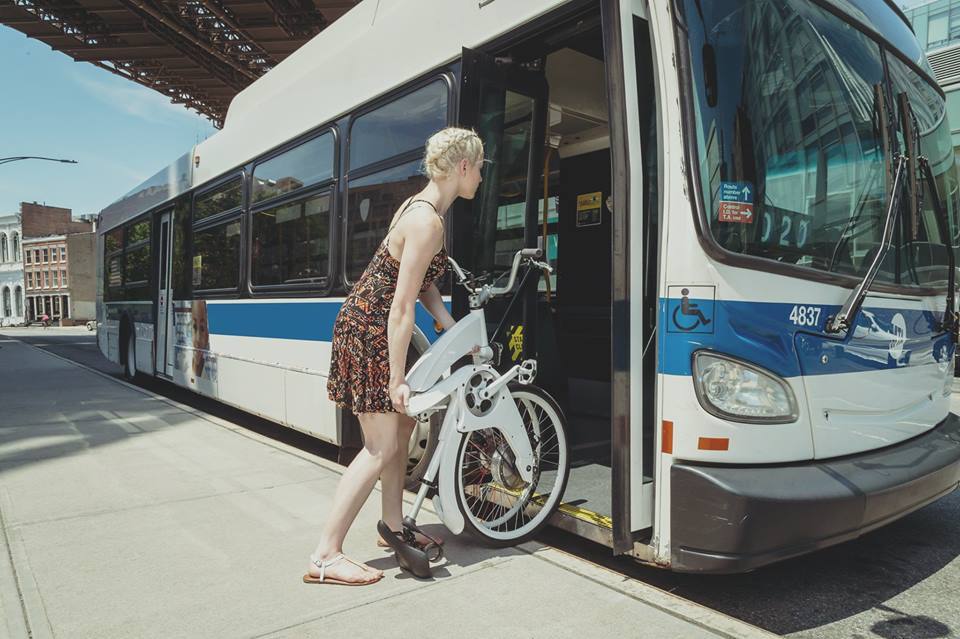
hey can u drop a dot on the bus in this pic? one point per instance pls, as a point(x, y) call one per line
point(751, 210)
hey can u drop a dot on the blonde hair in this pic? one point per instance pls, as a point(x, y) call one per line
point(447, 147)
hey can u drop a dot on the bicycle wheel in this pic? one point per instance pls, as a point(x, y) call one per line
point(498, 506)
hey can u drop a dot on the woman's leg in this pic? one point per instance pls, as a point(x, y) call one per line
point(394, 474)
point(379, 447)
point(393, 478)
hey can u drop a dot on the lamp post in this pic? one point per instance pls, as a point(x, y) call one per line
point(34, 157)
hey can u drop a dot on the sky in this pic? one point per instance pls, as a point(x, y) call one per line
point(119, 132)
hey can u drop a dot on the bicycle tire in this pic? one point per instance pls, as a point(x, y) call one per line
point(505, 537)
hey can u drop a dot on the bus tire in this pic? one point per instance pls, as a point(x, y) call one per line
point(128, 351)
point(423, 443)
point(423, 440)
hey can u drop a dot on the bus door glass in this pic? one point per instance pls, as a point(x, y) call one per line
point(164, 315)
point(506, 105)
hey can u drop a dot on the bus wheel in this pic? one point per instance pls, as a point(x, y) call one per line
point(422, 443)
point(130, 361)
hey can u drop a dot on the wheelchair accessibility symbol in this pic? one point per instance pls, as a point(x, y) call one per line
point(691, 309)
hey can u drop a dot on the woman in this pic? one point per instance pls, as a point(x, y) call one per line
point(370, 341)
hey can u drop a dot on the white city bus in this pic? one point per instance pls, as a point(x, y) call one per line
point(747, 325)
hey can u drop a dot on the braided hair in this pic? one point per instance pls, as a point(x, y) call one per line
point(447, 147)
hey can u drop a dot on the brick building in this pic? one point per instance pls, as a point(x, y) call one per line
point(39, 220)
point(59, 264)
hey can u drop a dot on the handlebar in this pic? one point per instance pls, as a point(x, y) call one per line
point(480, 295)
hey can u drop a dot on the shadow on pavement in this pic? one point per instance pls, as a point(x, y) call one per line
point(90, 413)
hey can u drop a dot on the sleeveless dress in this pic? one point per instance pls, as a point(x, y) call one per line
point(359, 361)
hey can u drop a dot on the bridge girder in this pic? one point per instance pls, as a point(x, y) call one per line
point(199, 53)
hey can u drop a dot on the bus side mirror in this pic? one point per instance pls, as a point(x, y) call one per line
point(710, 75)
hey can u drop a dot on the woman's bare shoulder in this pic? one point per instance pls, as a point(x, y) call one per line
point(421, 218)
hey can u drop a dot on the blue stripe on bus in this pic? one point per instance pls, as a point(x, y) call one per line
point(758, 332)
point(764, 334)
point(307, 320)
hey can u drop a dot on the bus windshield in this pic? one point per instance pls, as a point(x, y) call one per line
point(797, 127)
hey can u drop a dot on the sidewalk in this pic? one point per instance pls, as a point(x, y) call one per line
point(126, 515)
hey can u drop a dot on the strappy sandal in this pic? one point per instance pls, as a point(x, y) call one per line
point(323, 579)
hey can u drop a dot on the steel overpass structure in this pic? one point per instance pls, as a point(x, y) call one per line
point(199, 53)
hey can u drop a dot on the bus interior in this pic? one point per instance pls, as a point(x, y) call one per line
point(570, 332)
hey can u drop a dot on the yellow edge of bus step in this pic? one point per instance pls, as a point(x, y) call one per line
point(568, 509)
point(587, 515)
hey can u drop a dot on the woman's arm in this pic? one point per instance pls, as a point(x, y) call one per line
point(421, 236)
point(433, 302)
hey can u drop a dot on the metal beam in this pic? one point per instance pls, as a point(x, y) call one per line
point(145, 8)
point(199, 53)
point(298, 17)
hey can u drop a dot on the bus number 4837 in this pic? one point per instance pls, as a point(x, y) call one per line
point(805, 315)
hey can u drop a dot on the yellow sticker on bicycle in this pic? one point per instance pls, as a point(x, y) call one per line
point(516, 343)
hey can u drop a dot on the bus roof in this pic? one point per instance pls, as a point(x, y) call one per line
point(375, 47)
point(166, 184)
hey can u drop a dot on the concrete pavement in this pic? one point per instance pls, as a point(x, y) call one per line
point(125, 514)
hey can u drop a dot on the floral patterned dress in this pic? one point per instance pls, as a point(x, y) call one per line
point(359, 362)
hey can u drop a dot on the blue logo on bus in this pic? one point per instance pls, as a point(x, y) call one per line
point(692, 310)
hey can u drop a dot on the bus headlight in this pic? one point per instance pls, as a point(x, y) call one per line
point(741, 392)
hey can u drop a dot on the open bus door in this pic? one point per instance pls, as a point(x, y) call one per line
point(576, 85)
point(628, 63)
point(507, 103)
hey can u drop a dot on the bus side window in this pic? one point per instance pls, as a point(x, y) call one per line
point(216, 257)
point(385, 154)
point(371, 203)
point(398, 127)
point(290, 228)
point(291, 242)
point(112, 265)
point(217, 232)
point(136, 270)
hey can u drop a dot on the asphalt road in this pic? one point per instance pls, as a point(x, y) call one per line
point(899, 582)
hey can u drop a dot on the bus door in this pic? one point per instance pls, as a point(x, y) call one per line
point(635, 268)
point(542, 112)
point(506, 105)
point(164, 319)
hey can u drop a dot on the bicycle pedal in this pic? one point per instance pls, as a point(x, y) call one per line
point(409, 556)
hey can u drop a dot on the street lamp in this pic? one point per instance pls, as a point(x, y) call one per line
point(34, 157)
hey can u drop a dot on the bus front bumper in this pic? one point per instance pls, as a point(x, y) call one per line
point(728, 519)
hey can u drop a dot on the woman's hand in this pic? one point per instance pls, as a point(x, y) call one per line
point(400, 396)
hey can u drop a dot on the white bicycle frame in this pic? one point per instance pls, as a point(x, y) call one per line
point(430, 391)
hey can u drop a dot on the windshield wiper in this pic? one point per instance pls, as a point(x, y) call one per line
point(914, 140)
point(848, 313)
point(950, 319)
